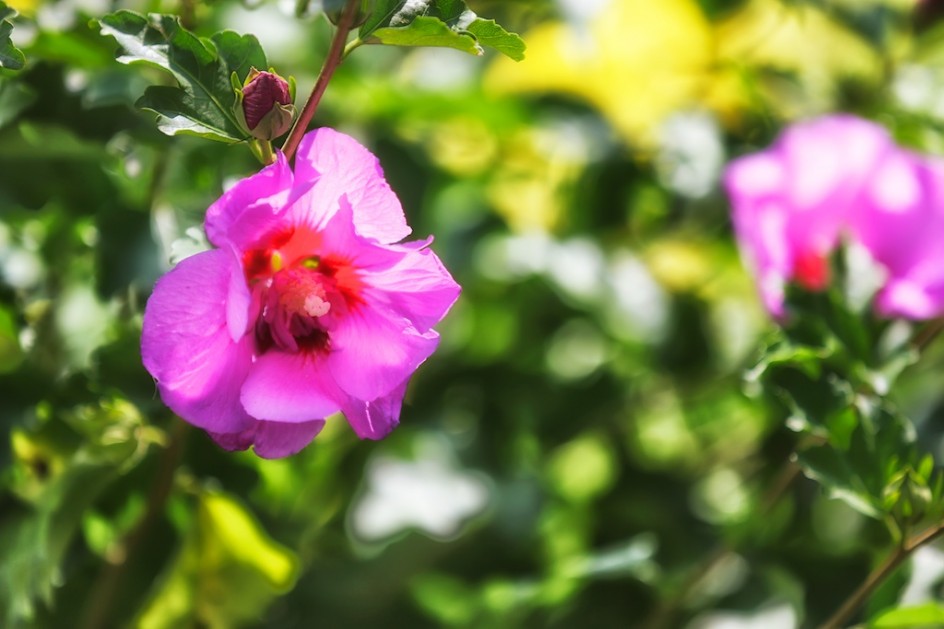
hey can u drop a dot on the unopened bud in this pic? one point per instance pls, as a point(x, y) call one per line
point(264, 105)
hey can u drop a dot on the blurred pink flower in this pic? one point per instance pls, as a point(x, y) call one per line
point(306, 308)
point(841, 177)
point(900, 221)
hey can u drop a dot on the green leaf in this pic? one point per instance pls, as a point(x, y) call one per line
point(11, 57)
point(438, 23)
point(427, 31)
point(383, 11)
point(861, 467)
point(490, 33)
point(202, 104)
point(226, 573)
point(445, 598)
point(10, 352)
point(927, 615)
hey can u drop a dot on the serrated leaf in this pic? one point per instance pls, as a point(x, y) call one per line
point(438, 23)
point(202, 104)
point(490, 33)
point(11, 57)
point(427, 31)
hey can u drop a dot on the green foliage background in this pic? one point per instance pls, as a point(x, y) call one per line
point(589, 390)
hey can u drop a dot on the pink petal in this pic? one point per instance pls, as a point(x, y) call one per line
point(418, 288)
point(902, 213)
point(793, 201)
point(375, 419)
point(245, 213)
point(271, 440)
point(909, 300)
point(373, 351)
point(275, 440)
point(294, 388)
point(235, 440)
point(340, 240)
point(187, 345)
point(344, 166)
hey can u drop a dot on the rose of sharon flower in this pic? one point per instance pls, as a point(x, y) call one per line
point(841, 177)
point(900, 221)
point(308, 305)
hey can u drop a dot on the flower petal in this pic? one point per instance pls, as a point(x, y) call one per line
point(245, 212)
point(344, 166)
point(294, 388)
point(187, 346)
point(792, 202)
point(373, 351)
point(901, 213)
point(375, 419)
point(275, 440)
point(271, 440)
point(910, 299)
point(418, 288)
point(341, 240)
point(235, 440)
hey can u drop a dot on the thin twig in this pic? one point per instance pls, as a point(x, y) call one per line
point(333, 60)
point(878, 576)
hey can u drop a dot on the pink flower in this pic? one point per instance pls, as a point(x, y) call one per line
point(306, 308)
point(900, 220)
point(840, 177)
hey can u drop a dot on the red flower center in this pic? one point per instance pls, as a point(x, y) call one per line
point(811, 270)
point(297, 293)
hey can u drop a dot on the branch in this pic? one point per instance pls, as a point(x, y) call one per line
point(878, 576)
point(335, 56)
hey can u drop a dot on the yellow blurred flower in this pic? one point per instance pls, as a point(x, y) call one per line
point(800, 40)
point(24, 7)
point(638, 61)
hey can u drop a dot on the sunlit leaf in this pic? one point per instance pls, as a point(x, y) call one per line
point(438, 23)
point(927, 615)
point(582, 469)
point(491, 34)
point(10, 352)
point(427, 31)
point(226, 574)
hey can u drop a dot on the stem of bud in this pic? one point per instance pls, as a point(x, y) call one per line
point(262, 150)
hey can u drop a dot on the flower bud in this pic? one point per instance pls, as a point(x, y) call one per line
point(264, 105)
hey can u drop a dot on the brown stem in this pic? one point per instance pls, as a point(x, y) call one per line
point(927, 334)
point(106, 588)
point(335, 56)
point(878, 576)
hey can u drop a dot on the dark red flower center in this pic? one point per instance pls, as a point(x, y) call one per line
point(811, 270)
point(298, 295)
